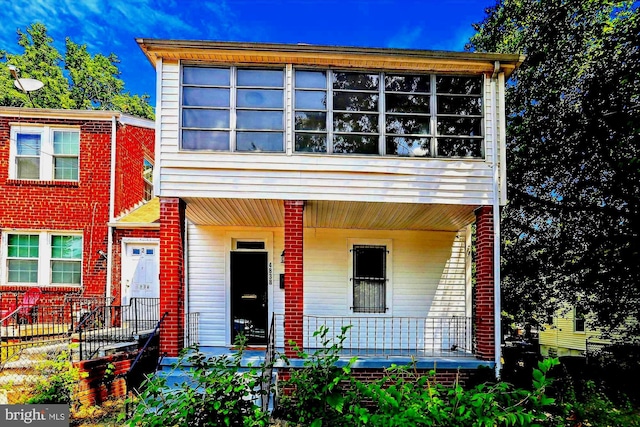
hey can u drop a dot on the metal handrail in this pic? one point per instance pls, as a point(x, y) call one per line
point(127, 374)
point(267, 372)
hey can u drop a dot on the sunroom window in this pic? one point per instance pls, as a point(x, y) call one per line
point(232, 109)
point(388, 114)
point(333, 112)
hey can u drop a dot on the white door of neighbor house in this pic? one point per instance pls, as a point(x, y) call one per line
point(140, 281)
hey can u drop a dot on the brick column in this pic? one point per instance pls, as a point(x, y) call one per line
point(172, 284)
point(483, 304)
point(293, 280)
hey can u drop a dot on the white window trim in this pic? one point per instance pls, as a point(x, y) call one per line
point(46, 150)
point(351, 242)
point(44, 258)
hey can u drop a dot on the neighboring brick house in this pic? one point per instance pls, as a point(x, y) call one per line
point(65, 175)
point(303, 186)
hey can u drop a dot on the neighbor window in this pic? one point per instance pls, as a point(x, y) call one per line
point(43, 258)
point(147, 177)
point(232, 109)
point(369, 279)
point(578, 319)
point(44, 153)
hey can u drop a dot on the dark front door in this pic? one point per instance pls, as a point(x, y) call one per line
point(249, 303)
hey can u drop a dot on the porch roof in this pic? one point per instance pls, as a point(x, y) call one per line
point(331, 214)
point(146, 215)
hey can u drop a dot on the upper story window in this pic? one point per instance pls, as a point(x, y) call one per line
point(44, 153)
point(42, 258)
point(232, 109)
point(388, 114)
point(334, 112)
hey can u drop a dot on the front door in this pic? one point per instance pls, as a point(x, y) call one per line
point(249, 304)
point(140, 282)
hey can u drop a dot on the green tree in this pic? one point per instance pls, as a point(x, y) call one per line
point(76, 80)
point(572, 226)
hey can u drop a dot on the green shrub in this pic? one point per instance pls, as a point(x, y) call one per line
point(315, 394)
point(58, 383)
point(218, 392)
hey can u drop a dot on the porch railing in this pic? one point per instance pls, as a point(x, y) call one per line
point(192, 333)
point(112, 324)
point(395, 336)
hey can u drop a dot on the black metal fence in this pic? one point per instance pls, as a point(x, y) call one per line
point(112, 328)
point(449, 336)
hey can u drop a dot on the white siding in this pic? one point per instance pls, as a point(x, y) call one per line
point(427, 278)
point(313, 176)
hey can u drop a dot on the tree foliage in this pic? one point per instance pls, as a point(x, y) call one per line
point(76, 80)
point(571, 228)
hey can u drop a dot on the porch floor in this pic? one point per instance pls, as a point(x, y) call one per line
point(380, 359)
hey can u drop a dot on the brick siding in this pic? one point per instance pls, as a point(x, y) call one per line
point(172, 283)
point(483, 304)
point(293, 276)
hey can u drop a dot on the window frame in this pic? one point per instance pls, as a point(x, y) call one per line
point(455, 142)
point(45, 258)
point(433, 116)
point(388, 243)
point(47, 155)
point(579, 321)
point(233, 107)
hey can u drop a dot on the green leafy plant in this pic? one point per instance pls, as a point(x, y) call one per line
point(218, 391)
point(58, 383)
point(315, 394)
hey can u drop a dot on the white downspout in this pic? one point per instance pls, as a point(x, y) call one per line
point(112, 196)
point(496, 222)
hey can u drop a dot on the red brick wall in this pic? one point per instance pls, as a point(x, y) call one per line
point(293, 277)
point(118, 235)
point(483, 304)
point(75, 206)
point(172, 283)
point(49, 205)
point(133, 145)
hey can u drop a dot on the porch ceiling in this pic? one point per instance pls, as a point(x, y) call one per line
point(331, 214)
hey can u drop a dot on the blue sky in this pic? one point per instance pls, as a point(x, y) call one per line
point(107, 26)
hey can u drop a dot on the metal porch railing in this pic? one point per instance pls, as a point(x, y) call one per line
point(109, 325)
point(381, 336)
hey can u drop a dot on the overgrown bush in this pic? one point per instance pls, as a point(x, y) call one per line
point(218, 392)
point(323, 394)
point(315, 394)
point(58, 383)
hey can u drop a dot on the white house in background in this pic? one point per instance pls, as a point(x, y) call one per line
point(310, 185)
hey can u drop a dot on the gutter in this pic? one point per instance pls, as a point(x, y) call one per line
point(496, 223)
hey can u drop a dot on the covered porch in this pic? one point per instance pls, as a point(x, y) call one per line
point(429, 310)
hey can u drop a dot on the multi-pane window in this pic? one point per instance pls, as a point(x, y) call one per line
point(44, 153)
point(232, 109)
point(408, 115)
point(66, 148)
point(43, 258)
point(459, 115)
point(310, 104)
point(66, 260)
point(22, 258)
point(369, 279)
point(334, 111)
point(388, 114)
